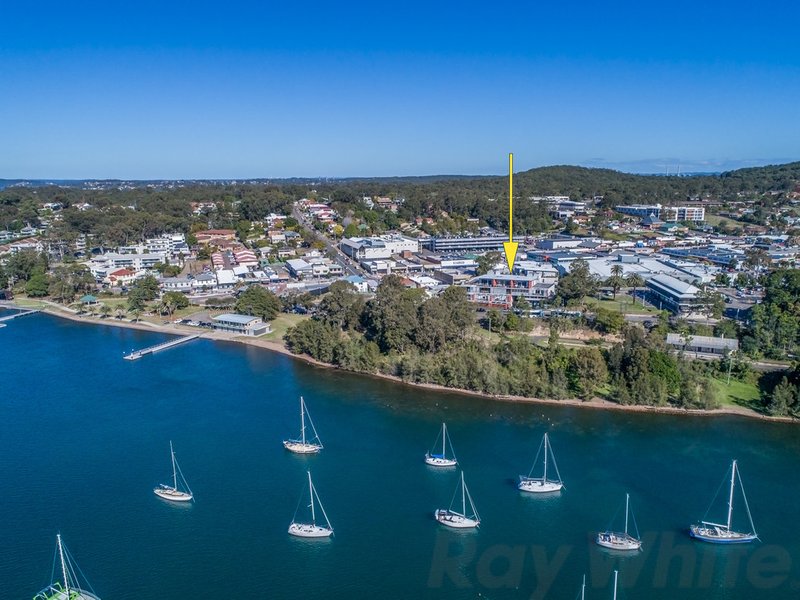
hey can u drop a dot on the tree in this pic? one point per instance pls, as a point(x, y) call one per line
point(341, 306)
point(487, 262)
point(3, 278)
point(259, 302)
point(587, 371)
point(782, 398)
point(635, 281)
point(390, 318)
point(351, 230)
point(38, 284)
point(176, 299)
point(105, 310)
point(713, 303)
point(578, 283)
point(521, 304)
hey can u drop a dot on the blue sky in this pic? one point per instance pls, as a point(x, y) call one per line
point(245, 89)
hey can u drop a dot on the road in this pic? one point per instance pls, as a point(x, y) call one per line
point(348, 266)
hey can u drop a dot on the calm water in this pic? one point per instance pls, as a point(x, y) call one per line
point(84, 437)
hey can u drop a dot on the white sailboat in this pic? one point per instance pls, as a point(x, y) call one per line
point(621, 540)
point(304, 445)
point(173, 492)
point(311, 530)
point(460, 520)
point(68, 588)
point(717, 533)
point(542, 484)
point(435, 459)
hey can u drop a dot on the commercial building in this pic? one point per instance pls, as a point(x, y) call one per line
point(499, 290)
point(452, 245)
point(665, 213)
point(674, 295)
point(241, 324)
point(377, 248)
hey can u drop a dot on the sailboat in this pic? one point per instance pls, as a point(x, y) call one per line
point(172, 492)
point(463, 519)
point(441, 460)
point(304, 445)
point(542, 484)
point(68, 588)
point(717, 533)
point(616, 540)
point(311, 530)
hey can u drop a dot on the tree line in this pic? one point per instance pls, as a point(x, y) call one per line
point(400, 332)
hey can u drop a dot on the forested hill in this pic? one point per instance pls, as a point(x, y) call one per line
point(579, 182)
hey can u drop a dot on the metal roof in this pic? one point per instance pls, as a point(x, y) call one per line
point(234, 318)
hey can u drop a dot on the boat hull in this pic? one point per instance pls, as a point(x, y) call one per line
point(455, 520)
point(717, 535)
point(618, 541)
point(173, 495)
point(539, 486)
point(301, 448)
point(308, 530)
point(435, 461)
point(56, 592)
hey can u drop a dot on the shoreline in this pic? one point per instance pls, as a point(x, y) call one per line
point(275, 346)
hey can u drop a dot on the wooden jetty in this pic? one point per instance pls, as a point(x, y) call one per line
point(137, 354)
point(19, 313)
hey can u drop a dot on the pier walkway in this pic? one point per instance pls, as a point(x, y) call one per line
point(137, 354)
point(19, 313)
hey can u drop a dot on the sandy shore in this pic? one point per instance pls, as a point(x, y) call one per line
point(276, 346)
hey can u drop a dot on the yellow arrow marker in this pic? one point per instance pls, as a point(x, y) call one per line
point(510, 246)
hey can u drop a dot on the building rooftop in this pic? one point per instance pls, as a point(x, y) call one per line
point(234, 318)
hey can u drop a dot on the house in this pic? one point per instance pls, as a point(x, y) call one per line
point(210, 235)
point(703, 344)
point(120, 277)
point(241, 324)
point(276, 237)
point(176, 284)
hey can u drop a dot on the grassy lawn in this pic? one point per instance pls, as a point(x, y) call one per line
point(281, 323)
point(621, 304)
point(738, 393)
point(717, 221)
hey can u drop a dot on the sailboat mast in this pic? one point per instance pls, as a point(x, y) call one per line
point(63, 565)
point(311, 495)
point(303, 422)
point(444, 437)
point(174, 470)
point(463, 496)
point(545, 459)
point(627, 500)
point(583, 588)
point(615, 584)
point(730, 497)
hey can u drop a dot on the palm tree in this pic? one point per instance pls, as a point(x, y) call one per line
point(105, 310)
point(634, 280)
point(615, 281)
point(119, 313)
point(135, 313)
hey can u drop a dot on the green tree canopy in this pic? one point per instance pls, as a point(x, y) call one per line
point(258, 302)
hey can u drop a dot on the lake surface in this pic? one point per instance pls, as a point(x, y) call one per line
point(84, 437)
